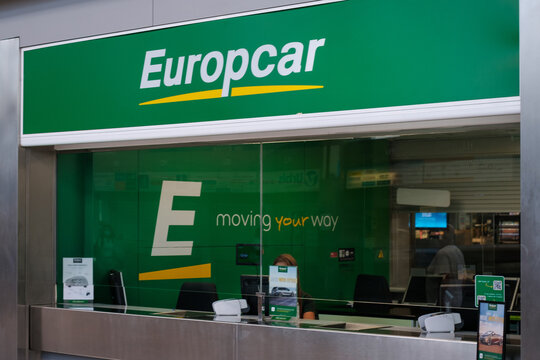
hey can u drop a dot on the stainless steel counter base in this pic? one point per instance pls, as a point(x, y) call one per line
point(279, 343)
point(129, 336)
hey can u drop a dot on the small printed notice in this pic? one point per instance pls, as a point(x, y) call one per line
point(283, 292)
point(488, 288)
point(346, 254)
point(78, 279)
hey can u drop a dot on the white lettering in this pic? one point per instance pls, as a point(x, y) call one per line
point(295, 58)
point(316, 221)
point(230, 74)
point(313, 45)
point(334, 222)
point(177, 80)
point(148, 68)
point(223, 217)
point(219, 66)
point(255, 61)
point(327, 221)
point(192, 59)
point(267, 221)
point(167, 217)
point(246, 220)
point(264, 61)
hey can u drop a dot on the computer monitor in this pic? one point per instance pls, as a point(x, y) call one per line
point(423, 290)
point(249, 286)
point(517, 301)
point(511, 289)
point(457, 294)
point(430, 220)
point(247, 254)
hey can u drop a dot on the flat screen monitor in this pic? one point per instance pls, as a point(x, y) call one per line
point(491, 331)
point(511, 286)
point(249, 286)
point(457, 295)
point(517, 301)
point(466, 294)
point(423, 290)
point(247, 254)
point(430, 220)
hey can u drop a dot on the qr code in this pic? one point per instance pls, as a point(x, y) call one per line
point(497, 285)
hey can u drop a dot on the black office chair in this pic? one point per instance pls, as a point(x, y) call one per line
point(372, 288)
point(118, 290)
point(197, 296)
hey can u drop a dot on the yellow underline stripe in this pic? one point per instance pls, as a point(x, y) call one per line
point(187, 272)
point(255, 90)
point(237, 91)
point(200, 95)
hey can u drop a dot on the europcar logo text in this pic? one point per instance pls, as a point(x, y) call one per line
point(225, 69)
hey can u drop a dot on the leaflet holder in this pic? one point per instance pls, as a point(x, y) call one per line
point(439, 322)
point(230, 307)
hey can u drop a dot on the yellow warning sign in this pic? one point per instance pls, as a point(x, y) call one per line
point(381, 254)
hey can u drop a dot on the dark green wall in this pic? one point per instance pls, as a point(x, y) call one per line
point(108, 202)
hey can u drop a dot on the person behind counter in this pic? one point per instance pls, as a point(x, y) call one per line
point(449, 262)
point(306, 304)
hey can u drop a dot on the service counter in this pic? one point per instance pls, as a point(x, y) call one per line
point(113, 332)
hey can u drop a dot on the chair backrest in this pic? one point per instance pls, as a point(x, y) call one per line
point(118, 290)
point(197, 296)
point(372, 288)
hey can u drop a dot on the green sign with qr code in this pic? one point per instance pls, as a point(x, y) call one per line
point(488, 288)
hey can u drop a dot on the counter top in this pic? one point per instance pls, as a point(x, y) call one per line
point(378, 329)
point(118, 332)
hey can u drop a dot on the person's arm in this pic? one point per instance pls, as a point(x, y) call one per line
point(310, 315)
point(308, 307)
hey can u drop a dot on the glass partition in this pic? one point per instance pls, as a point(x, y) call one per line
point(162, 217)
point(330, 207)
point(390, 226)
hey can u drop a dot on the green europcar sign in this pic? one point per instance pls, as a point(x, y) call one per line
point(349, 55)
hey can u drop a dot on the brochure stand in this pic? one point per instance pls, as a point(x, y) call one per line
point(283, 292)
point(491, 331)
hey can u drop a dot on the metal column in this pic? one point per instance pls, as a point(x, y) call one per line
point(530, 176)
point(9, 142)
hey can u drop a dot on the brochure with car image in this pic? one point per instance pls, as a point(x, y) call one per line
point(77, 276)
point(491, 331)
point(283, 292)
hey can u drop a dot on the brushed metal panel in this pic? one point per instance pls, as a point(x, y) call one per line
point(529, 24)
point(40, 239)
point(9, 127)
point(122, 336)
point(52, 356)
point(170, 11)
point(262, 343)
point(38, 22)
point(21, 258)
point(23, 334)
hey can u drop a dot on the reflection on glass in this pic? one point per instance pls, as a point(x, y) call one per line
point(330, 204)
